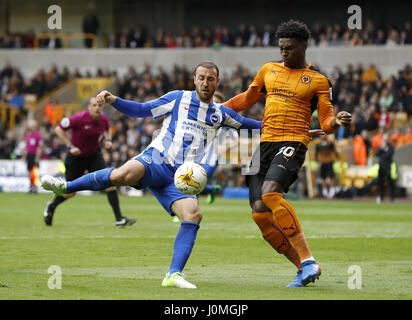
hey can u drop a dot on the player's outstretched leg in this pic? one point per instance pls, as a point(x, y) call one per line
point(96, 181)
point(128, 174)
point(188, 211)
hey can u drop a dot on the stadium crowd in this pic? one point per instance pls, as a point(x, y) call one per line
point(222, 36)
point(374, 101)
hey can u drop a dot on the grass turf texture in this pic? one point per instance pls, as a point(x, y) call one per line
point(229, 261)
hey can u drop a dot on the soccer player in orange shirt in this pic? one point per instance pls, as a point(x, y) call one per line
point(293, 90)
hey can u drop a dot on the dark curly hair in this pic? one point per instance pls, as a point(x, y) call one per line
point(293, 29)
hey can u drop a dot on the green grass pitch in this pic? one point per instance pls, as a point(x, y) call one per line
point(230, 260)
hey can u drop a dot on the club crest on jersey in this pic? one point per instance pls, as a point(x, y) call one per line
point(305, 79)
point(215, 118)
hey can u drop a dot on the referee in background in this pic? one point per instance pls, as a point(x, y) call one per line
point(87, 130)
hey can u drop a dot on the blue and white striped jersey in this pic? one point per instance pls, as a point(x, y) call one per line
point(189, 125)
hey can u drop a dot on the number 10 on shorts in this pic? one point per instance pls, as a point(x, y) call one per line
point(287, 151)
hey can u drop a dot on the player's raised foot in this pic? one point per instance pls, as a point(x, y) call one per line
point(176, 280)
point(125, 222)
point(211, 196)
point(48, 214)
point(297, 282)
point(57, 185)
point(310, 271)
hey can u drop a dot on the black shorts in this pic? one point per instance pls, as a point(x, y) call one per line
point(76, 166)
point(31, 161)
point(279, 162)
point(326, 170)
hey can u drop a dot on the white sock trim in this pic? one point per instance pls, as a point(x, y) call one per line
point(308, 259)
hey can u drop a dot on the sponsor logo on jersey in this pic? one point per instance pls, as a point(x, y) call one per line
point(147, 159)
point(65, 123)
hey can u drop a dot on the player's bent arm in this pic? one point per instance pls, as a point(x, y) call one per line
point(328, 122)
point(245, 100)
point(63, 136)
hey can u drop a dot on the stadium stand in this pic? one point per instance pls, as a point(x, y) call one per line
point(323, 35)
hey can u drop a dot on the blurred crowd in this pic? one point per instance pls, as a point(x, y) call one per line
point(374, 101)
point(252, 35)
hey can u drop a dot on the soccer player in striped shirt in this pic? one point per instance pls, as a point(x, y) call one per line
point(191, 120)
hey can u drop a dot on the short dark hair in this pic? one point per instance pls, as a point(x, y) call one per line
point(293, 29)
point(208, 65)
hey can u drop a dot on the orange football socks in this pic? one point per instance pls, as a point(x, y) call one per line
point(286, 217)
point(272, 233)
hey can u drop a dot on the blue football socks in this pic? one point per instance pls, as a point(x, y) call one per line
point(98, 180)
point(183, 245)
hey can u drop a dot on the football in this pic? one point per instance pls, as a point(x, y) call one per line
point(190, 178)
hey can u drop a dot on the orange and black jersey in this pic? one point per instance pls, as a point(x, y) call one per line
point(291, 97)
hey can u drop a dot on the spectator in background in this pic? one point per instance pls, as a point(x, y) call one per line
point(53, 112)
point(396, 138)
point(380, 38)
point(384, 120)
point(407, 137)
point(253, 36)
point(376, 141)
point(393, 38)
point(54, 42)
point(112, 42)
point(17, 99)
point(242, 35)
point(385, 154)
point(408, 30)
point(360, 153)
point(386, 99)
point(226, 37)
point(90, 24)
point(335, 40)
point(18, 42)
point(370, 74)
point(268, 36)
point(138, 38)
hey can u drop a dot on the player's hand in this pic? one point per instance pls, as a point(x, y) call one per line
point(317, 132)
point(105, 97)
point(343, 118)
point(74, 151)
